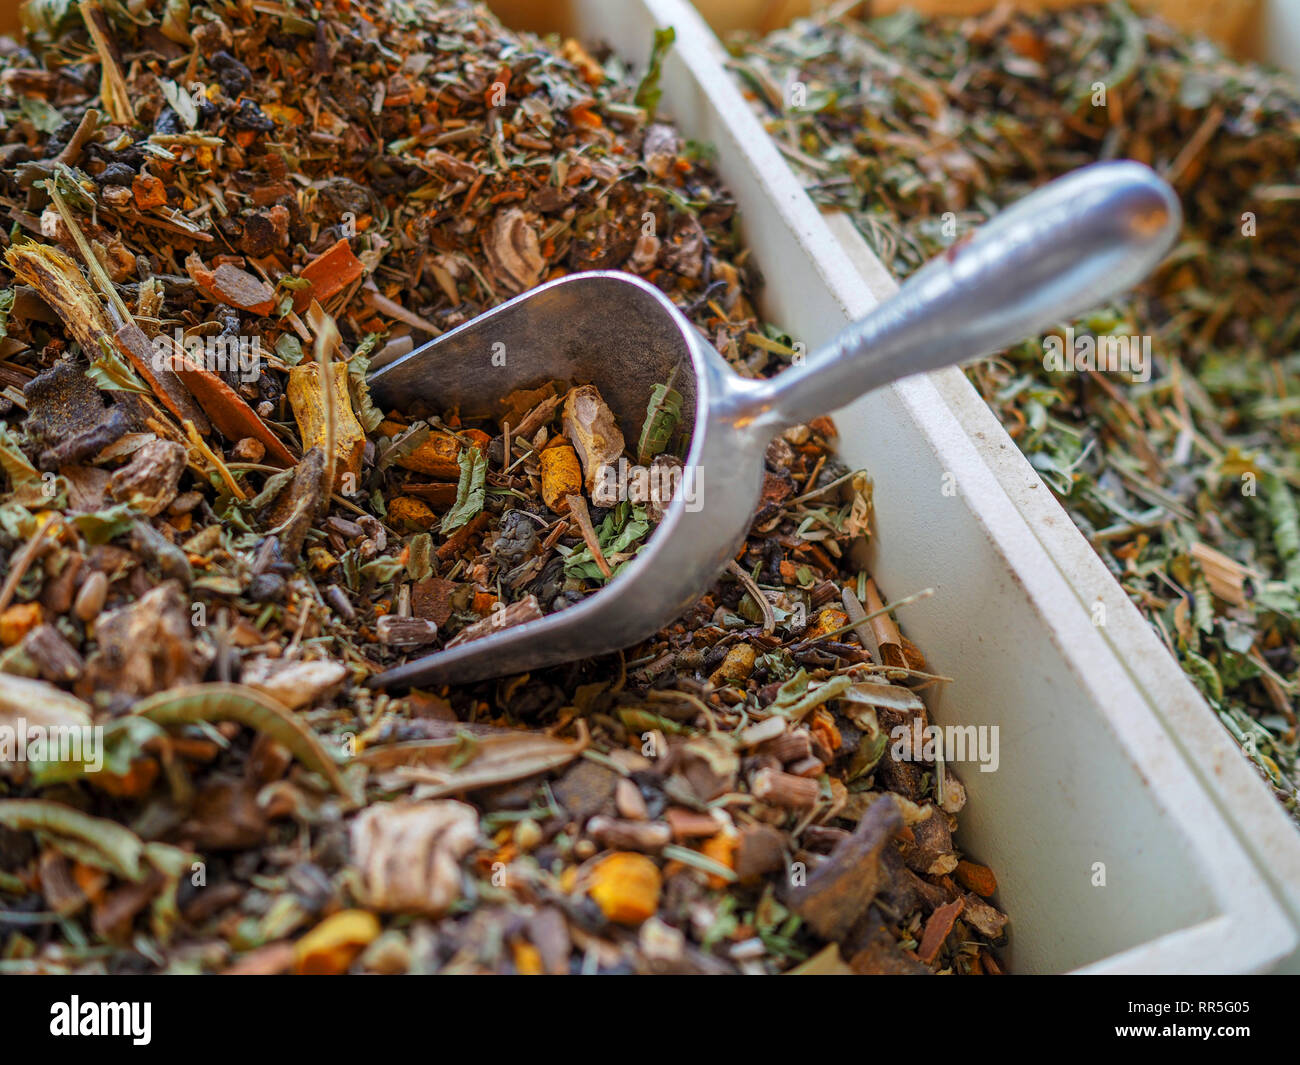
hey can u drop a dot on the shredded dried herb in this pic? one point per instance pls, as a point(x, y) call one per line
point(921, 128)
point(242, 207)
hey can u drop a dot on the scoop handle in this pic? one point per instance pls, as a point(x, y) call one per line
point(1066, 247)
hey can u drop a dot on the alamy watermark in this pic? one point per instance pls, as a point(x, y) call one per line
point(75, 744)
point(1110, 354)
point(946, 743)
point(77, 1018)
point(660, 483)
point(223, 353)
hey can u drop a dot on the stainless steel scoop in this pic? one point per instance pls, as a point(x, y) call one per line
point(1067, 247)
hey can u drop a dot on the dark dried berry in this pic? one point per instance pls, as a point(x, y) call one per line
point(206, 109)
point(250, 117)
point(168, 121)
point(259, 237)
point(116, 174)
point(231, 73)
point(266, 587)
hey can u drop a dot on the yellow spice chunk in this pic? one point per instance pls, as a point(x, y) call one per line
point(410, 513)
point(18, 620)
point(333, 945)
point(305, 397)
point(437, 455)
point(736, 667)
point(828, 621)
point(561, 476)
point(626, 887)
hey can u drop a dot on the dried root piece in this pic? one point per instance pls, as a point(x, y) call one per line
point(67, 412)
point(409, 854)
point(518, 612)
point(577, 508)
point(293, 683)
point(61, 284)
point(228, 412)
point(39, 703)
point(150, 480)
point(513, 250)
point(591, 426)
point(299, 504)
point(305, 397)
point(329, 273)
point(398, 631)
point(147, 646)
point(232, 286)
point(839, 891)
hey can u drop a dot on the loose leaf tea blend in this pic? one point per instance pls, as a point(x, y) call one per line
point(220, 214)
point(1181, 468)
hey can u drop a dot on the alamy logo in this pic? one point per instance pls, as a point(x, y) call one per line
point(661, 482)
point(949, 743)
point(224, 353)
point(1109, 354)
point(74, 744)
point(79, 1018)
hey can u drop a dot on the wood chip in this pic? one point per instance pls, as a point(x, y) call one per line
point(937, 929)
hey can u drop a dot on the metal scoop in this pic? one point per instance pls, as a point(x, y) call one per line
point(1067, 247)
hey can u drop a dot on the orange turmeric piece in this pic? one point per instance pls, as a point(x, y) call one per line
point(148, 191)
point(435, 456)
point(561, 477)
point(626, 887)
point(18, 620)
point(332, 946)
point(976, 878)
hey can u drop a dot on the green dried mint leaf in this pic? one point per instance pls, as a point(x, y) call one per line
point(101, 526)
point(111, 374)
point(367, 413)
point(623, 528)
point(95, 840)
point(288, 349)
point(470, 491)
point(14, 462)
point(195, 703)
point(648, 93)
point(797, 698)
point(41, 115)
point(663, 415)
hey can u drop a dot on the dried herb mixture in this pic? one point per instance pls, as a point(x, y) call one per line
point(1185, 483)
point(220, 213)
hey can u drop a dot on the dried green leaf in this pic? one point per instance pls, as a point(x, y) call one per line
point(449, 766)
point(234, 702)
point(663, 415)
point(95, 840)
point(648, 92)
point(470, 491)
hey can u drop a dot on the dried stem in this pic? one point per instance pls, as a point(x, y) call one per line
point(327, 338)
point(756, 593)
point(582, 518)
point(112, 86)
